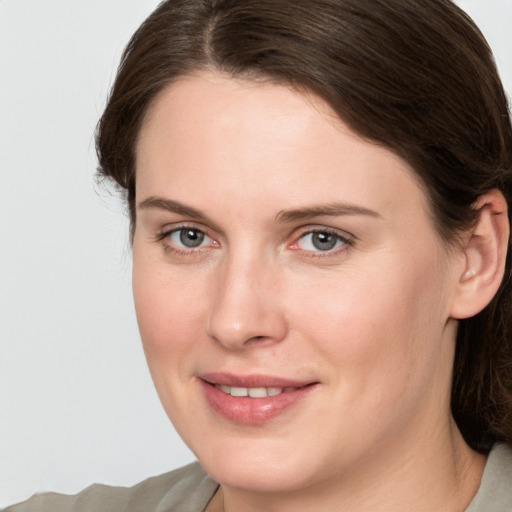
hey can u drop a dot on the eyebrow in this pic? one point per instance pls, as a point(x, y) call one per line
point(284, 216)
point(329, 210)
point(161, 203)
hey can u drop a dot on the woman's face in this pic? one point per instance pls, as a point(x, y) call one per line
point(279, 255)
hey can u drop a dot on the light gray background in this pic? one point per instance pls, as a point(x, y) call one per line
point(76, 401)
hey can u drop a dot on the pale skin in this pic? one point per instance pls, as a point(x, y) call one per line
point(253, 169)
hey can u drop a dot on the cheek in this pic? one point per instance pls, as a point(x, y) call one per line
point(168, 310)
point(383, 362)
point(380, 325)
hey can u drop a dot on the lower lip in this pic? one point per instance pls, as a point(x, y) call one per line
point(252, 411)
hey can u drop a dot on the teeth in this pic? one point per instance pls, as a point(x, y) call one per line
point(239, 391)
point(252, 392)
point(258, 392)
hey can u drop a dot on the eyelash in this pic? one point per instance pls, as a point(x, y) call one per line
point(347, 241)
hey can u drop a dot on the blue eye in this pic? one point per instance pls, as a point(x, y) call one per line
point(321, 241)
point(191, 238)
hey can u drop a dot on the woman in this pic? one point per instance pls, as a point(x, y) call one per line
point(319, 193)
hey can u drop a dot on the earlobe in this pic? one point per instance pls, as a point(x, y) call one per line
point(485, 250)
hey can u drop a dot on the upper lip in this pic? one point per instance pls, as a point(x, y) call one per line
point(252, 381)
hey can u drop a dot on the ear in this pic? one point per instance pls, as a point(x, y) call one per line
point(484, 254)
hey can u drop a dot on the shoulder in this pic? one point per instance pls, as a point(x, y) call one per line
point(495, 492)
point(186, 489)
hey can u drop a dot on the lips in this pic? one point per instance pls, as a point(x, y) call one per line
point(254, 399)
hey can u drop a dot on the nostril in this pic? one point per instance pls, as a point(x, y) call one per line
point(259, 340)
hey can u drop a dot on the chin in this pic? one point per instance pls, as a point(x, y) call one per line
point(264, 477)
point(256, 465)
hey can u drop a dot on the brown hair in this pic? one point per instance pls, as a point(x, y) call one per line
point(417, 77)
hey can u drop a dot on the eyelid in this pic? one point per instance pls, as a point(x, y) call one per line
point(171, 227)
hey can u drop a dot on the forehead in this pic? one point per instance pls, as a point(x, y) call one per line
point(208, 135)
point(230, 108)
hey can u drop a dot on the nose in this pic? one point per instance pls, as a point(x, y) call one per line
point(246, 308)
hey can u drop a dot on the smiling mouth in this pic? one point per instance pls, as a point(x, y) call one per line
point(253, 400)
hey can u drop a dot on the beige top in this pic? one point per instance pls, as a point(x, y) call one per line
point(189, 489)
